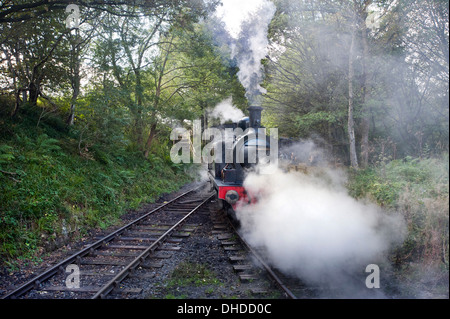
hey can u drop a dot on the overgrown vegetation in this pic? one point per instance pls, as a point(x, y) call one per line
point(418, 189)
point(50, 192)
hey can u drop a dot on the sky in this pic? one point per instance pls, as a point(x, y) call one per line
point(233, 12)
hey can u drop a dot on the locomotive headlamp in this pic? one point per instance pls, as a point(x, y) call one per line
point(232, 197)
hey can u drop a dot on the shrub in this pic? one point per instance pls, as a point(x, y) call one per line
point(419, 190)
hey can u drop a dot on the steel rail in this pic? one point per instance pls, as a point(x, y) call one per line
point(113, 283)
point(266, 267)
point(36, 281)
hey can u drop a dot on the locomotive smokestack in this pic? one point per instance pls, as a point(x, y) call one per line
point(255, 116)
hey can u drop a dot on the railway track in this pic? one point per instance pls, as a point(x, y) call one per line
point(246, 260)
point(124, 263)
point(106, 264)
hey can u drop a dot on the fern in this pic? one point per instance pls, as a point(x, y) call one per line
point(46, 145)
point(6, 154)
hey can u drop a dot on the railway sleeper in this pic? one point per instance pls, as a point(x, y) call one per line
point(139, 235)
point(246, 277)
point(82, 289)
point(245, 267)
point(237, 258)
point(146, 229)
point(232, 248)
point(229, 243)
point(223, 236)
point(151, 264)
point(147, 240)
point(162, 255)
point(104, 262)
point(109, 253)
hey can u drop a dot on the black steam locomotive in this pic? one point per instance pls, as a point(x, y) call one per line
point(241, 153)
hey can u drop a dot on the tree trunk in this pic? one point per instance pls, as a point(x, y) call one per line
point(150, 139)
point(139, 129)
point(34, 93)
point(73, 102)
point(75, 78)
point(366, 90)
point(16, 104)
point(351, 122)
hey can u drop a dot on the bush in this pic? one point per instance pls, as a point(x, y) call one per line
point(419, 190)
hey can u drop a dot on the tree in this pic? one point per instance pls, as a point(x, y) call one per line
point(30, 54)
point(310, 74)
point(161, 66)
point(412, 37)
point(381, 64)
point(20, 11)
point(351, 120)
point(189, 76)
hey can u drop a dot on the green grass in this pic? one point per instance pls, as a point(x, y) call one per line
point(51, 193)
point(192, 274)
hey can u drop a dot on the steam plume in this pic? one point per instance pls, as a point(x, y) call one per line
point(225, 111)
point(311, 228)
point(250, 46)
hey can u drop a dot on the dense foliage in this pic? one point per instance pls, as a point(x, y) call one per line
point(51, 193)
point(379, 69)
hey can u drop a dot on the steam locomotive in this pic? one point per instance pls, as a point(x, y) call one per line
point(241, 153)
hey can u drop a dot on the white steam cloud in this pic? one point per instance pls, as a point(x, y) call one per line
point(251, 48)
point(226, 111)
point(310, 227)
point(247, 24)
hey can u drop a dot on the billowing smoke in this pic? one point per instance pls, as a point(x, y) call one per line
point(250, 45)
point(226, 111)
point(251, 48)
point(310, 227)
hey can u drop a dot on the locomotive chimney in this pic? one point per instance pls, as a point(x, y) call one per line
point(255, 116)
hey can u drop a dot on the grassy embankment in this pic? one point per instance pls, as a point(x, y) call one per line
point(418, 189)
point(51, 192)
